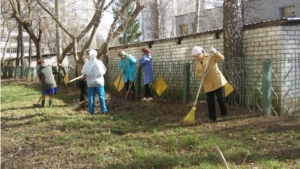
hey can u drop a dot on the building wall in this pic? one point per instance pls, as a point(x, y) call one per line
point(268, 9)
point(254, 11)
point(258, 43)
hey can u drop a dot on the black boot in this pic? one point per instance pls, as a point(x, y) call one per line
point(50, 103)
point(43, 103)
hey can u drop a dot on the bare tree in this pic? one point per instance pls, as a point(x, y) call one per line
point(115, 30)
point(7, 26)
point(156, 20)
point(32, 15)
point(233, 25)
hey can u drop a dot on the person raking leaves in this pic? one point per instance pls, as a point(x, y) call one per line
point(46, 74)
point(213, 82)
point(94, 71)
point(127, 66)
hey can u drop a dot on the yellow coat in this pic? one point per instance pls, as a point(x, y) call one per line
point(214, 79)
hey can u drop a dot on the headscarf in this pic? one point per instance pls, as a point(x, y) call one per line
point(197, 50)
point(146, 50)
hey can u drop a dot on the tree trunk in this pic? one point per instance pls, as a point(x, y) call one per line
point(21, 45)
point(156, 21)
point(38, 50)
point(199, 8)
point(29, 52)
point(58, 32)
point(20, 49)
point(3, 52)
point(233, 27)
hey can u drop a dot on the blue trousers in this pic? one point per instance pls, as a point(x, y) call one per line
point(92, 91)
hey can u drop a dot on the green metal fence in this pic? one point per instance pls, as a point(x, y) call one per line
point(245, 75)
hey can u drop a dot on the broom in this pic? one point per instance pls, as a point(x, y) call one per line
point(190, 117)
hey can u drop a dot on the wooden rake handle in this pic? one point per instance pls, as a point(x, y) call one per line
point(132, 81)
point(202, 79)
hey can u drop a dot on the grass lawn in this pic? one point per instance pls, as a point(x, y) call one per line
point(137, 134)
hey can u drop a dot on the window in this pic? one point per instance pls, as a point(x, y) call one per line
point(84, 11)
point(73, 1)
point(84, 21)
point(52, 50)
point(183, 29)
point(289, 11)
point(26, 49)
point(7, 50)
point(53, 40)
point(43, 50)
point(85, 39)
point(51, 1)
point(13, 50)
point(15, 38)
point(63, 20)
point(51, 10)
point(26, 39)
point(74, 10)
point(84, 2)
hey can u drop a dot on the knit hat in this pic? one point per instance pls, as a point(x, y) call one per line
point(197, 50)
point(121, 53)
point(92, 54)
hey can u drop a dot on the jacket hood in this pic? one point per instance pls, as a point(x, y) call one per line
point(43, 65)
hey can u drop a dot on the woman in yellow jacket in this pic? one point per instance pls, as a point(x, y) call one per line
point(213, 82)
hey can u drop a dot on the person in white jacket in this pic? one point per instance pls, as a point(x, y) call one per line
point(94, 71)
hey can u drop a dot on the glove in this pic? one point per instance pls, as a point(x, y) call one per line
point(213, 50)
point(203, 73)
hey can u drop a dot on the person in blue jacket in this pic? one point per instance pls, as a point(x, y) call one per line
point(127, 66)
point(146, 64)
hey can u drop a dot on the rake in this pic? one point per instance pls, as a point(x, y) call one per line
point(190, 117)
point(38, 103)
point(132, 81)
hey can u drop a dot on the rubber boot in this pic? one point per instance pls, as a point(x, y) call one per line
point(50, 103)
point(131, 96)
point(43, 103)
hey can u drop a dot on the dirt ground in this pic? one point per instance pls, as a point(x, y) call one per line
point(175, 111)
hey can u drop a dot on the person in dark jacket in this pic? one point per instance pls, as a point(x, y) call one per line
point(146, 64)
point(49, 87)
point(82, 83)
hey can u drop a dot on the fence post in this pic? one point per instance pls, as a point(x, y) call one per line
point(138, 85)
point(5, 72)
point(186, 82)
point(266, 87)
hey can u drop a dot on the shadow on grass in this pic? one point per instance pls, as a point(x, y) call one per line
point(29, 107)
point(30, 120)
